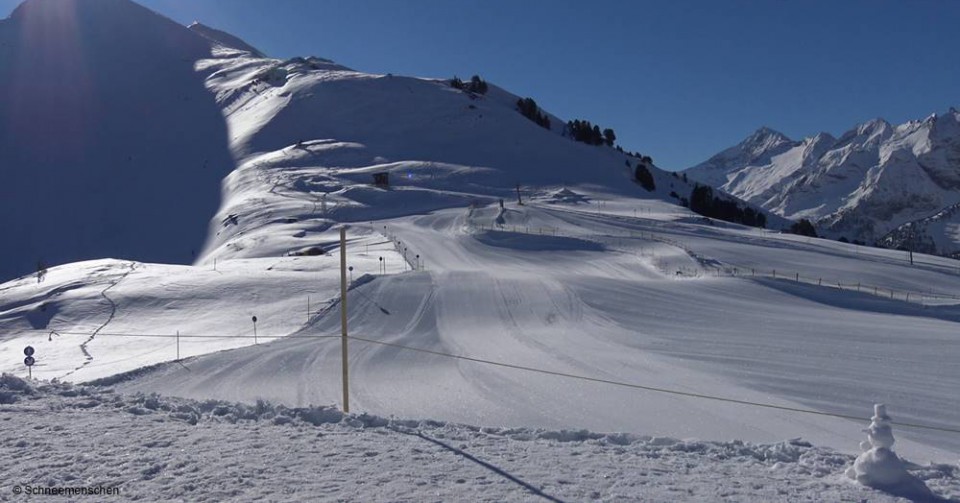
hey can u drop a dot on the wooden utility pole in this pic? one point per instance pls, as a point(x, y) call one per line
point(519, 199)
point(343, 318)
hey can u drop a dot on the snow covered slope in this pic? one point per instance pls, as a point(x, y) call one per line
point(861, 186)
point(593, 275)
point(314, 132)
point(110, 144)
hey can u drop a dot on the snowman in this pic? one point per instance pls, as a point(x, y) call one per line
point(878, 466)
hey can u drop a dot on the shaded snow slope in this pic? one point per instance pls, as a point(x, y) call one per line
point(153, 447)
point(862, 185)
point(939, 233)
point(110, 145)
point(224, 39)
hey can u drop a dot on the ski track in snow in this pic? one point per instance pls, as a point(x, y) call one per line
point(113, 312)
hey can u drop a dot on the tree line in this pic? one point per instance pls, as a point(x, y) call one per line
point(475, 85)
point(529, 109)
point(703, 201)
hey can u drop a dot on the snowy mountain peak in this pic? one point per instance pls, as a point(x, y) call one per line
point(820, 138)
point(766, 135)
point(764, 140)
point(756, 149)
point(873, 126)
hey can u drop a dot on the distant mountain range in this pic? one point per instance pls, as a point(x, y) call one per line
point(896, 186)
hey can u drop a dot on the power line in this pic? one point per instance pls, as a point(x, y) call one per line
point(611, 382)
point(197, 336)
point(648, 388)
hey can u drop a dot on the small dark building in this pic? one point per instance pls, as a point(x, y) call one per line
point(381, 180)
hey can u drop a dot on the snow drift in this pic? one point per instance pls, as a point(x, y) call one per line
point(215, 450)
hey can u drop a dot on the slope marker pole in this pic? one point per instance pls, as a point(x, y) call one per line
point(343, 318)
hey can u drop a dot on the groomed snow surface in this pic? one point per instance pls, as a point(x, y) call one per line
point(550, 285)
point(159, 448)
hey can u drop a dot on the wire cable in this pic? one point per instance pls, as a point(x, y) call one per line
point(689, 394)
point(646, 388)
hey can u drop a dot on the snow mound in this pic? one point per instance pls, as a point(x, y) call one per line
point(566, 196)
point(11, 387)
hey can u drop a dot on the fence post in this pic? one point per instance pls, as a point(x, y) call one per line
point(798, 277)
point(178, 345)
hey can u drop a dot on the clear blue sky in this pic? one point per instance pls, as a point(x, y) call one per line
point(678, 80)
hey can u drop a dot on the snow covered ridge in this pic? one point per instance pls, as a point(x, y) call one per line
point(861, 186)
point(310, 134)
point(61, 435)
point(141, 151)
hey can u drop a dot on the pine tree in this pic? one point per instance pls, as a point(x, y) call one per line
point(41, 271)
point(804, 228)
point(645, 178)
point(609, 137)
point(477, 85)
